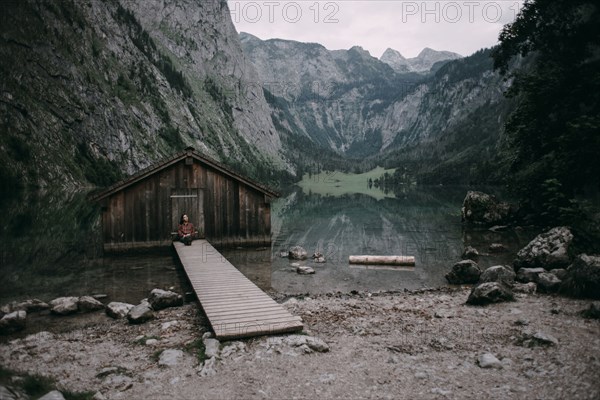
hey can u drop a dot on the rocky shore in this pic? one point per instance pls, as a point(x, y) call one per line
point(526, 330)
point(424, 344)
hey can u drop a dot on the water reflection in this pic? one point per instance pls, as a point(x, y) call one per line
point(50, 245)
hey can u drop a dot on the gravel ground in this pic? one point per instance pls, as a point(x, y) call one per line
point(408, 345)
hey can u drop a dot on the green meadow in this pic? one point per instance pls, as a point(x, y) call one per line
point(336, 183)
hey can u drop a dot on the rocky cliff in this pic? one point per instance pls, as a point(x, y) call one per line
point(93, 90)
point(358, 106)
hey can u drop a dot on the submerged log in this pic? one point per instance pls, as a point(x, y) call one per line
point(383, 260)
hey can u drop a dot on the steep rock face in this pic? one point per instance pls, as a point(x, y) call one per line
point(331, 97)
point(104, 88)
point(357, 105)
point(397, 61)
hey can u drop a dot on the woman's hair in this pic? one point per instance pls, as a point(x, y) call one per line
point(181, 219)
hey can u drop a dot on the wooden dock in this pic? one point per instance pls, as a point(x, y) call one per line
point(235, 306)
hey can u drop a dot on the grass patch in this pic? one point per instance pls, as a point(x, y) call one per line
point(37, 385)
point(337, 183)
point(156, 355)
point(197, 347)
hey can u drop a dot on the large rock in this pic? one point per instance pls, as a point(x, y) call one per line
point(482, 208)
point(547, 282)
point(170, 358)
point(304, 270)
point(30, 306)
point(160, 299)
point(465, 271)
point(489, 292)
point(488, 360)
point(117, 309)
point(88, 304)
point(212, 347)
point(547, 250)
point(470, 253)
point(53, 395)
point(297, 253)
point(527, 275)
point(140, 314)
point(583, 277)
point(13, 322)
point(64, 305)
point(498, 273)
point(538, 339)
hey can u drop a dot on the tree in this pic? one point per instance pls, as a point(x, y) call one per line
point(552, 54)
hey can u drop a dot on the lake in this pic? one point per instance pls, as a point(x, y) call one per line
point(51, 245)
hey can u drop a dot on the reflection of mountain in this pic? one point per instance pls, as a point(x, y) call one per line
point(359, 224)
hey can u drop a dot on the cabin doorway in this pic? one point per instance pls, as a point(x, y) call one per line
point(190, 202)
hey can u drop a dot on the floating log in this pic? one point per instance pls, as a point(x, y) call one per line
point(383, 260)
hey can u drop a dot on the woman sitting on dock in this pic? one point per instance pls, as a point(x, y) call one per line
point(186, 230)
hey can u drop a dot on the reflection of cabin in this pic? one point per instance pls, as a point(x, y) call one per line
point(226, 208)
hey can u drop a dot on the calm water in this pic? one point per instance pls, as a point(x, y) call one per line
point(50, 246)
point(422, 222)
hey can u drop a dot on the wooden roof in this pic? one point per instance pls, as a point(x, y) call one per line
point(188, 152)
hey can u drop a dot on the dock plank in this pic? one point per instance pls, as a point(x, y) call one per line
point(234, 306)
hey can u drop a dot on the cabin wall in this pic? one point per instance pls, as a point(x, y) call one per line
point(140, 215)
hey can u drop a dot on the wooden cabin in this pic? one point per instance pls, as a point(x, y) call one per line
point(226, 208)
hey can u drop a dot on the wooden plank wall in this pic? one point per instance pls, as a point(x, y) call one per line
point(140, 215)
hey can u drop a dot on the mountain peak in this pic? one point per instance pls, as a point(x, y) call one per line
point(360, 50)
point(392, 54)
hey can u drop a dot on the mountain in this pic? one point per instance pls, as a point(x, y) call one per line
point(332, 98)
point(351, 104)
point(424, 62)
point(94, 90)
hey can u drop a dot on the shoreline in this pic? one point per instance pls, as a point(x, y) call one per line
point(422, 343)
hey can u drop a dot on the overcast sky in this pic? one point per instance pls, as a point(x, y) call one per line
point(407, 26)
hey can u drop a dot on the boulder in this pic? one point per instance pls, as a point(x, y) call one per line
point(498, 273)
point(583, 277)
point(170, 358)
point(53, 395)
point(547, 282)
point(526, 288)
point(30, 306)
point(160, 299)
point(470, 253)
point(465, 271)
point(208, 368)
point(304, 270)
point(560, 273)
point(489, 292)
point(88, 304)
point(526, 275)
point(64, 305)
point(118, 310)
point(297, 253)
point(482, 208)
point(547, 250)
point(140, 314)
point(211, 347)
point(318, 258)
point(488, 360)
point(538, 339)
point(13, 322)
